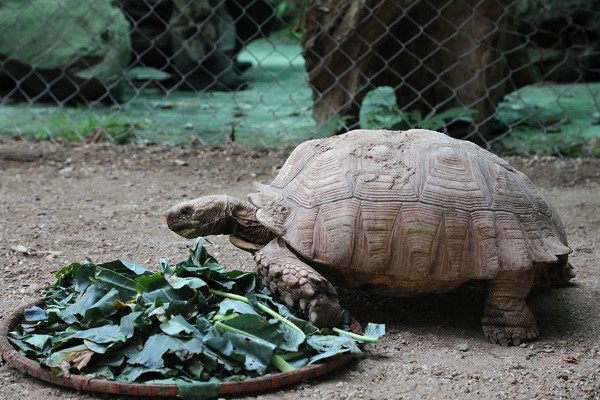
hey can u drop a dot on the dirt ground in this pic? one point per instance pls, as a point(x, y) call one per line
point(63, 203)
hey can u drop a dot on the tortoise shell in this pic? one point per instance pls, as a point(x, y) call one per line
point(408, 212)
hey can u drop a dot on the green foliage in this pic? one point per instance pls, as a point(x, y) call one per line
point(560, 120)
point(393, 118)
point(290, 14)
point(523, 141)
point(75, 127)
point(193, 324)
point(333, 125)
point(380, 111)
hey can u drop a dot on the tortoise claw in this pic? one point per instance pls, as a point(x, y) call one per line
point(324, 312)
point(509, 336)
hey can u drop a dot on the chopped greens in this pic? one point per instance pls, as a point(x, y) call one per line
point(193, 324)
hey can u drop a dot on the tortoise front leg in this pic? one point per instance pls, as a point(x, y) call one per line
point(507, 319)
point(298, 285)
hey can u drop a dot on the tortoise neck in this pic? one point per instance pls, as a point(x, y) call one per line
point(241, 221)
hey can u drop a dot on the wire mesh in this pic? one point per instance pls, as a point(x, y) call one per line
point(268, 73)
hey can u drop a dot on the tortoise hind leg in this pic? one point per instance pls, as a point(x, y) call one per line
point(298, 285)
point(507, 320)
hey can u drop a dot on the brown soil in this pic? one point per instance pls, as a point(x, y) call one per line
point(65, 203)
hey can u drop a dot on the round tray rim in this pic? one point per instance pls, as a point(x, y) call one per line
point(246, 386)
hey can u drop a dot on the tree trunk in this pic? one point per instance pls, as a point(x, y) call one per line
point(436, 57)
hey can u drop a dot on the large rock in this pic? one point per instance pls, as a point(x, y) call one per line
point(62, 49)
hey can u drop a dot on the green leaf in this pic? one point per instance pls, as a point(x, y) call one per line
point(199, 390)
point(165, 267)
point(99, 372)
point(219, 352)
point(41, 342)
point(333, 344)
point(329, 354)
point(158, 345)
point(24, 348)
point(135, 373)
point(128, 323)
point(118, 279)
point(284, 336)
point(85, 302)
point(292, 339)
point(235, 281)
point(104, 307)
point(134, 345)
point(374, 331)
point(199, 255)
point(185, 269)
point(101, 339)
point(256, 326)
point(257, 352)
point(230, 305)
point(191, 282)
point(178, 326)
point(184, 307)
point(252, 300)
point(102, 334)
point(156, 288)
point(304, 325)
point(35, 314)
point(135, 268)
point(204, 325)
point(83, 276)
point(194, 368)
point(99, 348)
point(65, 275)
point(149, 283)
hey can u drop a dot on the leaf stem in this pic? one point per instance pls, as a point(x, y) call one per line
point(278, 361)
point(281, 363)
point(261, 307)
point(355, 336)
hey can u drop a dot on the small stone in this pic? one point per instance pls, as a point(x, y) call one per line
point(34, 287)
point(66, 170)
point(19, 248)
point(462, 347)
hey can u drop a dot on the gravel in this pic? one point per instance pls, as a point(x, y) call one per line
point(64, 203)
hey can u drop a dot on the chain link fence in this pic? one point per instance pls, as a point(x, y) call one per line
point(517, 76)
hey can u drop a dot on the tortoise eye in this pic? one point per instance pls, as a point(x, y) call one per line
point(186, 212)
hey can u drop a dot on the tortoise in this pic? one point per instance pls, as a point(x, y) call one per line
point(397, 213)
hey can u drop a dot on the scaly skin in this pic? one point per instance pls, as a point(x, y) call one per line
point(298, 285)
point(507, 320)
point(217, 215)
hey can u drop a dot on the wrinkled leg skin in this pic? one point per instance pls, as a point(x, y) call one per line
point(298, 285)
point(507, 320)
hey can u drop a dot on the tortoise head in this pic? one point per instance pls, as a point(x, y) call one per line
point(204, 216)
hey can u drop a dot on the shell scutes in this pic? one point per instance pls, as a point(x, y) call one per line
point(412, 205)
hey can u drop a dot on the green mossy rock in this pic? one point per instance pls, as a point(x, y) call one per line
point(85, 40)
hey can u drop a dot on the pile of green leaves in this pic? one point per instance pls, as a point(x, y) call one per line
point(192, 324)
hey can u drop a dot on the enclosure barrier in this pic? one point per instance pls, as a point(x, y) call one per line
point(516, 76)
